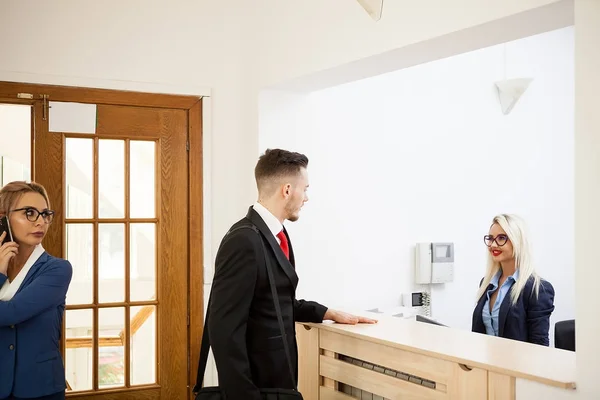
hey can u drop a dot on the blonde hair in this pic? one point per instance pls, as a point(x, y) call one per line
point(12, 192)
point(516, 231)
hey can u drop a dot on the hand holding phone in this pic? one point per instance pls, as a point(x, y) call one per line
point(8, 248)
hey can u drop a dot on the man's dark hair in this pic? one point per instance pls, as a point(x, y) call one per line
point(278, 163)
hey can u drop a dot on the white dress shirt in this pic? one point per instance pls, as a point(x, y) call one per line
point(272, 222)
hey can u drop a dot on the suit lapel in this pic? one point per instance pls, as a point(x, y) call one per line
point(292, 259)
point(283, 262)
point(33, 271)
point(504, 307)
point(479, 311)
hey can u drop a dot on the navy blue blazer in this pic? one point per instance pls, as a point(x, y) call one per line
point(528, 320)
point(30, 329)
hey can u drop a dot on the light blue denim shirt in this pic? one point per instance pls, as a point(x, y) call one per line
point(490, 320)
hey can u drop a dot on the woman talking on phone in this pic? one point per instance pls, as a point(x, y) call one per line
point(33, 287)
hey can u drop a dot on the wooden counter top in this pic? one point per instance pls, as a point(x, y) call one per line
point(542, 364)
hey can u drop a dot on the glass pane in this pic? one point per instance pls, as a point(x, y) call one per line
point(111, 263)
point(11, 170)
point(15, 136)
point(143, 345)
point(78, 355)
point(111, 350)
point(79, 168)
point(142, 262)
point(80, 241)
point(111, 178)
point(142, 180)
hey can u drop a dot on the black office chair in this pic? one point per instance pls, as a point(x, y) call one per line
point(564, 335)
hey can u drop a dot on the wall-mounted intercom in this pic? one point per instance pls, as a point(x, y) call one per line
point(434, 263)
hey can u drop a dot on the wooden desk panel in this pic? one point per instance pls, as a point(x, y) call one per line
point(399, 358)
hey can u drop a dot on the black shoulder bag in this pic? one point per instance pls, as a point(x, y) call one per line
point(214, 392)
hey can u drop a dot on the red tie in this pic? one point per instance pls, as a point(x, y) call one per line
point(284, 244)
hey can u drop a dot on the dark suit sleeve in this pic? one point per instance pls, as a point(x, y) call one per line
point(45, 291)
point(308, 311)
point(538, 314)
point(231, 295)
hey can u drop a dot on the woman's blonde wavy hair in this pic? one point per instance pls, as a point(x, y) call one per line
point(516, 231)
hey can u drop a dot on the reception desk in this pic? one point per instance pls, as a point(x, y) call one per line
point(405, 359)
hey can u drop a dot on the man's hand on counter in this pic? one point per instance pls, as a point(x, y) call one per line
point(344, 318)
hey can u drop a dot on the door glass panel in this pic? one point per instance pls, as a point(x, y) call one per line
point(142, 179)
point(143, 262)
point(143, 345)
point(78, 355)
point(79, 170)
point(15, 136)
point(11, 170)
point(111, 357)
point(80, 242)
point(111, 263)
point(111, 178)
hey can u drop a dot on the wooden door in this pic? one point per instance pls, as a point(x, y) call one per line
point(124, 211)
point(128, 199)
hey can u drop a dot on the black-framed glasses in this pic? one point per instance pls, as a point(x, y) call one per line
point(500, 240)
point(33, 214)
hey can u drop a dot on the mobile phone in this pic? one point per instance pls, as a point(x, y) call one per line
point(5, 227)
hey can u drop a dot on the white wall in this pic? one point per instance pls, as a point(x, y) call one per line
point(587, 194)
point(425, 154)
point(316, 35)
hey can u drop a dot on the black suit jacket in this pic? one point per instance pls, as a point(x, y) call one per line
point(242, 324)
point(528, 320)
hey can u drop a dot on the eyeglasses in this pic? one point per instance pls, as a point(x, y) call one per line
point(500, 240)
point(33, 214)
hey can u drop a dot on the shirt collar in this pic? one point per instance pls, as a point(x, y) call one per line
point(272, 222)
point(496, 278)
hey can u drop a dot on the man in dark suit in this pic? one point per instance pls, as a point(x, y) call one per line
point(243, 327)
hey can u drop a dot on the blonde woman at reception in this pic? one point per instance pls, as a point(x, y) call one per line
point(514, 302)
